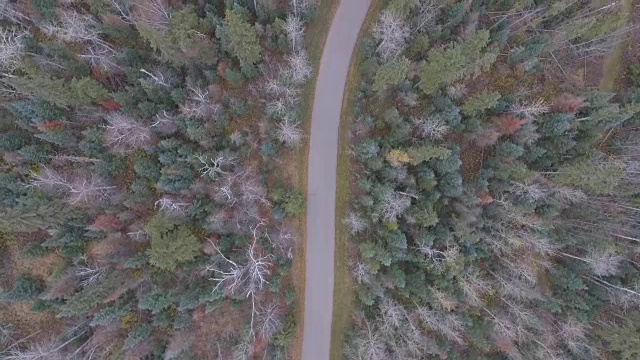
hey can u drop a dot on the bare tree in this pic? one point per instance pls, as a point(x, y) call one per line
point(298, 70)
point(474, 286)
point(244, 279)
point(289, 133)
point(369, 345)
point(85, 189)
point(295, 31)
point(392, 35)
point(360, 273)
point(427, 14)
point(394, 204)
point(125, 133)
point(11, 48)
point(86, 274)
point(172, 206)
point(214, 167)
point(530, 110)
point(355, 223)
point(199, 104)
point(444, 322)
point(269, 320)
point(433, 127)
point(531, 191)
point(73, 27)
point(102, 56)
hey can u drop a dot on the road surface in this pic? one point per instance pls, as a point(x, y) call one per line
point(321, 196)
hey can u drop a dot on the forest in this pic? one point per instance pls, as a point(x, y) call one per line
point(495, 199)
point(144, 210)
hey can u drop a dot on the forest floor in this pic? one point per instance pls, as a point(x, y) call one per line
point(614, 66)
point(296, 173)
point(343, 292)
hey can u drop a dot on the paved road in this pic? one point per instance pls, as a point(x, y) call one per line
point(321, 200)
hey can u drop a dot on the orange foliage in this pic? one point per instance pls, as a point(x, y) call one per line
point(485, 199)
point(50, 125)
point(106, 222)
point(111, 105)
point(567, 103)
point(506, 124)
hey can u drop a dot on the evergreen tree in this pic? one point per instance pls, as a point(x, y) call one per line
point(171, 243)
point(241, 37)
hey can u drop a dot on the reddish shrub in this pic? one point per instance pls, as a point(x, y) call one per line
point(485, 199)
point(106, 222)
point(506, 124)
point(567, 103)
point(111, 105)
point(50, 125)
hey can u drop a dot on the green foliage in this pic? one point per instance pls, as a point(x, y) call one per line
point(288, 202)
point(391, 73)
point(602, 178)
point(156, 301)
point(172, 243)
point(59, 92)
point(480, 102)
point(33, 217)
point(26, 287)
point(241, 36)
point(421, 154)
point(137, 335)
point(623, 339)
point(110, 314)
point(46, 8)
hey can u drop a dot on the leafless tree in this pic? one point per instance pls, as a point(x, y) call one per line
point(242, 351)
point(125, 133)
point(457, 91)
point(244, 279)
point(73, 27)
point(158, 77)
point(360, 273)
point(9, 12)
point(214, 167)
point(355, 223)
point(529, 190)
point(85, 189)
point(433, 127)
point(298, 69)
point(199, 104)
point(303, 7)
point(394, 204)
point(605, 263)
point(11, 48)
point(427, 14)
point(241, 185)
point(86, 274)
point(269, 320)
point(574, 335)
point(172, 206)
point(392, 35)
point(282, 238)
point(369, 345)
point(295, 31)
point(102, 56)
point(444, 322)
point(474, 286)
point(289, 133)
point(529, 110)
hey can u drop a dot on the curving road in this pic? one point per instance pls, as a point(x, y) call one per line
point(321, 196)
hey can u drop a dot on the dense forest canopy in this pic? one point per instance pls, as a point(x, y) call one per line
point(143, 211)
point(495, 206)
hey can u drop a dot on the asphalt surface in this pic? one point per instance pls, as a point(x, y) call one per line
point(321, 196)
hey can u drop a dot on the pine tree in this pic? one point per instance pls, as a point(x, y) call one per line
point(242, 37)
point(391, 73)
point(480, 102)
point(29, 218)
point(171, 243)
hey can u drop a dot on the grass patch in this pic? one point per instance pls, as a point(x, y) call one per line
point(343, 294)
point(613, 63)
point(315, 37)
